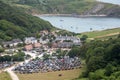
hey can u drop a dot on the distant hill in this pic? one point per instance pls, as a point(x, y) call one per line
point(17, 24)
point(84, 7)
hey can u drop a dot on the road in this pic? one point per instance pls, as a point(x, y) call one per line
point(12, 74)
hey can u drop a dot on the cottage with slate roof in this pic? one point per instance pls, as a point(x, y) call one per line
point(12, 43)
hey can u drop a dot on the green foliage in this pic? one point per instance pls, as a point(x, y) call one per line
point(97, 75)
point(20, 45)
point(108, 70)
point(54, 6)
point(64, 33)
point(65, 7)
point(67, 41)
point(83, 51)
point(75, 51)
point(60, 53)
point(95, 63)
point(78, 51)
point(114, 53)
point(102, 55)
point(115, 76)
point(10, 30)
point(17, 24)
point(118, 36)
point(1, 50)
point(17, 57)
point(84, 37)
point(46, 56)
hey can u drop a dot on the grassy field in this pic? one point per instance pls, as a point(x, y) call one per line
point(102, 34)
point(4, 76)
point(66, 75)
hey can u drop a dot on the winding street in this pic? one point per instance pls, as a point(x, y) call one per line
point(11, 73)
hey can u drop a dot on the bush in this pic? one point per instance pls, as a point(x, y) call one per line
point(97, 75)
point(1, 50)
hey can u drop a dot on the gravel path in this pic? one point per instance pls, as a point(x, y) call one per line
point(12, 74)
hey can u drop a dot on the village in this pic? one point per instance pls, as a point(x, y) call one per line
point(47, 53)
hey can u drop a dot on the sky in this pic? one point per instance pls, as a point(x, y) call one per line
point(111, 1)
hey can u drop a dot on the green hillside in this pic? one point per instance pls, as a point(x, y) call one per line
point(84, 7)
point(59, 6)
point(17, 24)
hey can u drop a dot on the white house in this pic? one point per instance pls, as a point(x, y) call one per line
point(43, 41)
point(76, 40)
point(72, 38)
point(30, 40)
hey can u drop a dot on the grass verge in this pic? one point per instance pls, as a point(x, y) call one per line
point(101, 34)
point(66, 75)
point(4, 76)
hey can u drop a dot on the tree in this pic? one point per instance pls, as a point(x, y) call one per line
point(98, 55)
point(99, 51)
point(119, 35)
point(108, 70)
point(61, 54)
point(84, 37)
point(18, 57)
point(115, 76)
point(83, 51)
point(46, 56)
point(37, 35)
point(20, 45)
point(58, 51)
point(113, 53)
point(75, 51)
point(97, 75)
point(95, 63)
point(1, 50)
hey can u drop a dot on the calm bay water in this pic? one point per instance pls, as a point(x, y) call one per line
point(79, 25)
point(111, 1)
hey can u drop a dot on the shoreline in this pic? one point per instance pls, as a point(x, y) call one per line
point(75, 15)
point(70, 15)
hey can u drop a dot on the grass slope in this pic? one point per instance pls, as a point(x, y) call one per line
point(59, 6)
point(4, 76)
point(102, 34)
point(66, 75)
point(66, 7)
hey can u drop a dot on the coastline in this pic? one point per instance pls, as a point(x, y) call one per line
point(70, 15)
